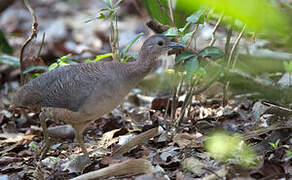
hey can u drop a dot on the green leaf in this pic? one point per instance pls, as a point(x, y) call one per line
point(35, 68)
point(171, 32)
point(197, 17)
point(209, 15)
point(63, 58)
point(191, 66)
point(259, 15)
point(183, 56)
point(211, 52)
point(109, 3)
point(117, 3)
point(288, 66)
point(53, 66)
point(4, 45)
point(10, 60)
point(185, 28)
point(99, 57)
point(186, 37)
point(154, 10)
point(126, 49)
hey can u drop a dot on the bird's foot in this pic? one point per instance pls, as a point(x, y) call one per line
point(45, 148)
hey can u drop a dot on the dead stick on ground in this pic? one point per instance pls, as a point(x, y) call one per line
point(32, 35)
point(141, 138)
point(130, 167)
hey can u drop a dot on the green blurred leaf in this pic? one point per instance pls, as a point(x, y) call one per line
point(35, 68)
point(4, 45)
point(62, 61)
point(63, 58)
point(185, 28)
point(186, 37)
point(10, 60)
point(99, 57)
point(211, 52)
point(109, 3)
point(118, 2)
point(288, 66)
point(197, 17)
point(183, 56)
point(130, 44)
point(259, 15)
point(53, 66)
point(154, 10)
point(191, 66)
point(171, 32)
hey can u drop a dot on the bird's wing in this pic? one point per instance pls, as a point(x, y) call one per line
point(66, 87)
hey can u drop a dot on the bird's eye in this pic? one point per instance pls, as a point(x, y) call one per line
point(160, 43)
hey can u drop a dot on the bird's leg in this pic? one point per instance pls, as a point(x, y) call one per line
point(80, 141)
point(45, 149)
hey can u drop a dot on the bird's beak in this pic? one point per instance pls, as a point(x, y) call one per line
point(177, 45)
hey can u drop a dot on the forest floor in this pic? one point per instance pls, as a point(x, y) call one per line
point(167, 152)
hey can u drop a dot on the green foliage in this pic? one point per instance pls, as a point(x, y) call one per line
point(211, 52)
point(107, 13)
point(276, 144)
point(34, 146)
point(4, 45)
point(30, 69)
point(230, 147)
point(99, 57)
point(63, 61)
point(154, 10)
point(259, 15)
point(123, 56)
point(191, 66)
point(10, 60)
point(288, 153)
point(288, 66)
point(197, 17)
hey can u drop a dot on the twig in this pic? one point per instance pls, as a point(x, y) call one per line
point(32, 35)
point(165, 12)
point(171, 12)
point(41, 46)
point(192, 37)
point(235, 45)
point(215, 29)
point(226, 53)
point(226, 85)
point(157, 27)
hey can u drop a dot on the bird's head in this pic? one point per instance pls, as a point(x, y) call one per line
point(158, 45)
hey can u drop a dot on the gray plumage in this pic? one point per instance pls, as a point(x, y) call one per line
point(79, 94)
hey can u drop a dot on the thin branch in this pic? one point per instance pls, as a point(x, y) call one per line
point(215, 29)
point(171, 12)
point(192, 37)
point(235, 45)
point(165, 12)
point(32, 35)
point(41, 46)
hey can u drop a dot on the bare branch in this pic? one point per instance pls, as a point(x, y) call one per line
point(32, 35)
point(171, 12)
point(215, 29)
point(235, 45)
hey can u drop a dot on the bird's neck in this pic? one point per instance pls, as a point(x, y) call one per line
point(141, 67)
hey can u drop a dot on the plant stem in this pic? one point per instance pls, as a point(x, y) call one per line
point(215, 29)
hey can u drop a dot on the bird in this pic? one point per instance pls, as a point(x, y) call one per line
point(78, 94)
